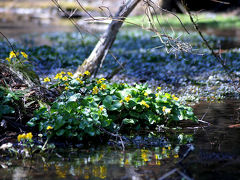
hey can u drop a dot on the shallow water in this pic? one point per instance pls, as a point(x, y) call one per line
point(217, 147)
point(216, 155)
point(18, 26)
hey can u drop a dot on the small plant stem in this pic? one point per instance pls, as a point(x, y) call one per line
point(43, 148)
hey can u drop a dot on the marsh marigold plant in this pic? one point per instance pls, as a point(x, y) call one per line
point(87, 105)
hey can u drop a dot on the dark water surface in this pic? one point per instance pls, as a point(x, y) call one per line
point(217, 147)
point(216, 155)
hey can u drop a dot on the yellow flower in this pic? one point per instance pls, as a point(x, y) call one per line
point(8, 59)
point(66, 88)
point(156, 94)
point(87, 73)
point(12, 55)
point(167, 95)
point(103, 86)
point(126, 162)
point(121, 101)
point(86, 176)
point(49, 127)
point(47, 79)
point(70, 74)
point(103, 172)
point(169, 147)
point(145, 94)
point(101, 108)
point(20, 137)
point(60, 173)
point(95, 90)
point(65, 78)
point(159, 88)
point(128, 98)
point(144, 155)
point(176, 156)
point(166, 110)
point(176, 98)
point(62, 72)
point(99, 81)
point(158, 162)
point(24, 136)
point(58, 76)
point(144, 103)
point(24, 55)
point(79, 80)
point(29, 136)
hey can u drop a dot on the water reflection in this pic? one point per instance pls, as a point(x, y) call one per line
point(101, 164)
point(217, 147)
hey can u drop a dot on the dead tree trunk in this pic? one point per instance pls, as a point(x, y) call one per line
point(96, 58)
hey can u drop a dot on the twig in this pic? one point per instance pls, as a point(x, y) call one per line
point(173, 15)
point(217, 56)
point(168, 174)
point(69, 17)
point(190, 149)
point(115, 71)
point(114, 135)
point(184, 175)
point(84, 9)
point(11, 46)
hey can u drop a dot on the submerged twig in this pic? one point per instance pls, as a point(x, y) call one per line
point(168, 174)
point(114, 135)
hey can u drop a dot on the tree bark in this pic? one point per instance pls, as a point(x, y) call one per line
point(97, 56)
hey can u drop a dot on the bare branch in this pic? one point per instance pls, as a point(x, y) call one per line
point(216, 55)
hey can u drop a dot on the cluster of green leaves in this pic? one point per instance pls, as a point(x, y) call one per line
point(7, 101)
point(87, 106)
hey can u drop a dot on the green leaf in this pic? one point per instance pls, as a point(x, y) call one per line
point(59, 122)
point(74, 97)
point(135, 114)
point(128, 121)
point(131, 104)
point(107, 102)
point(5, 109)
point(30, 123)
point(60, 132)
point(115, 106)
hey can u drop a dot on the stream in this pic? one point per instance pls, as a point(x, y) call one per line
point(213, 154)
